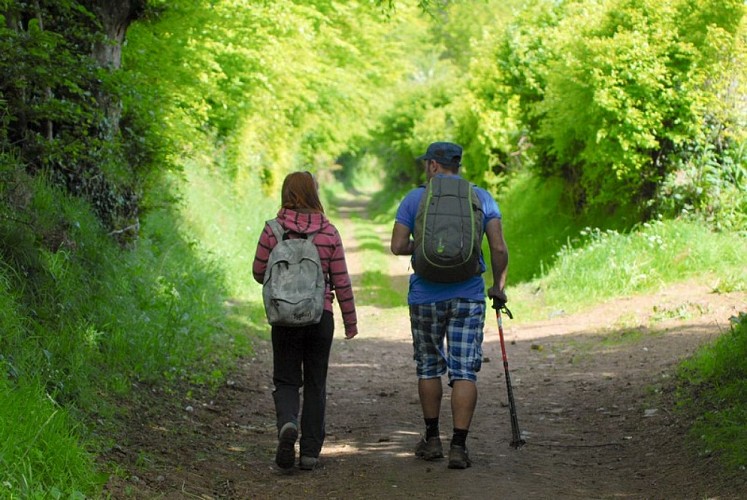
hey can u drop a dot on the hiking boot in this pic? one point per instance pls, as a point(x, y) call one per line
point(285, 456)
point(430, 449)
point(458, 457)
point(308, 463)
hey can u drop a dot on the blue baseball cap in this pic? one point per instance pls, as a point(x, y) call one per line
point(445, 153)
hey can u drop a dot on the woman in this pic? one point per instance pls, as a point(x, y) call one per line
point(301, 354)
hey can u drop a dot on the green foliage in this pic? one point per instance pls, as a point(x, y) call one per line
point(713, 387)
point(281, 84)
point(225, 219)
point(539, 219)
point(418, 116)
point(506, 80)
point(82, 319)
point(138, 314)
point(61, 111)
point(618, 98)
point(433, 102)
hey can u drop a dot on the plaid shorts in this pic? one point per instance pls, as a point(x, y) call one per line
point(460, 322)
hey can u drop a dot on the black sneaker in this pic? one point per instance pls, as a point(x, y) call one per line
point(458, 457)
point(430, 449)
point(285, 456)
point(308, 463)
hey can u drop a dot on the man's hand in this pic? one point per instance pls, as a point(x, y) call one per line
point(498, 295)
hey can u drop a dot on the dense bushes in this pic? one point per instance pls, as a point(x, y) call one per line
point(62, 110)
point(82, 319)
point(631, 102)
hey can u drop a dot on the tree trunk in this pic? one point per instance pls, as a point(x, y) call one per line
point(115, 16)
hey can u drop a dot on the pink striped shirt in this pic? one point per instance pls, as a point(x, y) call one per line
point(331, 253)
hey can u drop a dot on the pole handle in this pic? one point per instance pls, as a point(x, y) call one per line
point(499, 305)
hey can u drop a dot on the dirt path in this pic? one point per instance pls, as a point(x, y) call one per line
point(592, 392)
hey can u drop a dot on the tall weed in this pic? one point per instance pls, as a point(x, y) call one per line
point(539, 219)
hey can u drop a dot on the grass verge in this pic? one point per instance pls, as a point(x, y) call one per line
point(713, 389)
point(601, 265)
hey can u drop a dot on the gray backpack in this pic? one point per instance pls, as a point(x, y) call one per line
point(293, 289)
point(448, 231)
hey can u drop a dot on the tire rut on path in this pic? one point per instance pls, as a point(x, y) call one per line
point(594, 406)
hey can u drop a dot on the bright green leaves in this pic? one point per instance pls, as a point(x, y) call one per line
point(608, 100)
point(615, 94)
point(280, 84)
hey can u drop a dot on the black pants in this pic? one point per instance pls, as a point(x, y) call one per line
point(300, 359)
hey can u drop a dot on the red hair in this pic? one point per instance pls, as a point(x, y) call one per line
point(300, 193)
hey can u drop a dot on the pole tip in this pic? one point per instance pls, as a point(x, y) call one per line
point(517, 443)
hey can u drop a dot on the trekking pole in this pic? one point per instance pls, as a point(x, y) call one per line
point(516, 441)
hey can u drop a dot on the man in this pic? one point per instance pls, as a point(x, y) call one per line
point(454, 311)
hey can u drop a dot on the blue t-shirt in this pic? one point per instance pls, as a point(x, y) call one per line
point(423, 291)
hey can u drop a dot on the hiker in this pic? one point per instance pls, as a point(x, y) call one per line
point(454, 310)
point(301, 353)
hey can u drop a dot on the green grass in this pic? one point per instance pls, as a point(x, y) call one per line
point(375, 283)
point(713, 389)
point(224, 218)
point(625, 336)
point(602, 265)
point(558, 262)
point(42, 455)
point(594, 265)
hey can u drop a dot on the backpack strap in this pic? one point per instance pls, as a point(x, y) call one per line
point(277, 229)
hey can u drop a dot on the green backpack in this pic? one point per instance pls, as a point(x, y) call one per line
point(448, 231)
